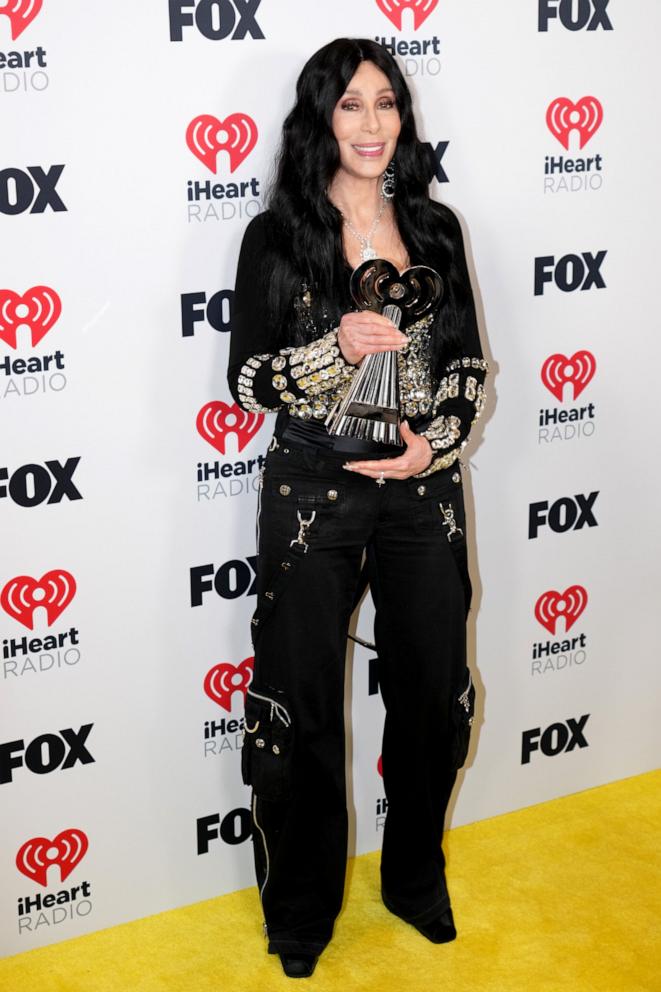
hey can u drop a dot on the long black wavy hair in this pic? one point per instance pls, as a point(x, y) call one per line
point(305, 228)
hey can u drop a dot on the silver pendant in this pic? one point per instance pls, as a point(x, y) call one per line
point(368, 253)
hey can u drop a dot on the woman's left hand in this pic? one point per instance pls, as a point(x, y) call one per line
point(416, 458)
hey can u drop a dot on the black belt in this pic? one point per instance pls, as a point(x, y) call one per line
point(314, 434)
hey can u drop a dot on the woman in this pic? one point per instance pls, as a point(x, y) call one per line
point(326, 500)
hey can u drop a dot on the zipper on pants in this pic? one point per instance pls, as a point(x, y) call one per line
point(282, 714)
point(266, 853)
point(276, 707)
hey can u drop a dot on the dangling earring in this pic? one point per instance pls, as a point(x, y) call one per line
point(389, 182)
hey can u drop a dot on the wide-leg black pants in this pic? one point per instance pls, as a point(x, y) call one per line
point(315, 520)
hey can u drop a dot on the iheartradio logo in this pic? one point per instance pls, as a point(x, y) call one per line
point(38, 308)
point(206, 136)
point(217, 419)
point(563, 117)
point(37, 855)
point(558, 370)
point(21, 13)
point(552, 605)
point(394, 10)
point(223, 680)
point(53, 591)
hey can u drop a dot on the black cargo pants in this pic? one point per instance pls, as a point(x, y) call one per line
point(314, 521)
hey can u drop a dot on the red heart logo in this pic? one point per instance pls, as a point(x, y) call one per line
point(23, 594)
point(563, 117)
point(38, 307)
point(394, 9)
point(38, 854)
point(217, 419)
point(22, 13)
point(551, 605)
point(222, 681)
point(558, 370)
point(206, 136)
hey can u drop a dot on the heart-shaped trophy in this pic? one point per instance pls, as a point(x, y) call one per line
point(370, 410)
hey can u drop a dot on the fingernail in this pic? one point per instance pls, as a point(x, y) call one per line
point(347, 466)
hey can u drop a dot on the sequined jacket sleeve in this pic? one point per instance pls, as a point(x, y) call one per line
point(261, 378)
point(460, 396)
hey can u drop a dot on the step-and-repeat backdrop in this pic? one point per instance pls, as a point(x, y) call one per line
point(137, 141)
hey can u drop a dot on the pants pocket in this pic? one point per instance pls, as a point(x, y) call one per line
point(267, 753)
point(462, 714)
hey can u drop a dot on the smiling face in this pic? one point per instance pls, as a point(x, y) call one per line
point(366, 123)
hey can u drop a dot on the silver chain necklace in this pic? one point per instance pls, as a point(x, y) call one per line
point(367, 248)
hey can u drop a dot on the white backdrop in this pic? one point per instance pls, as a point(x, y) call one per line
point(119, 772)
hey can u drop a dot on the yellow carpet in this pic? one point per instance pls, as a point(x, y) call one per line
point(561, 896)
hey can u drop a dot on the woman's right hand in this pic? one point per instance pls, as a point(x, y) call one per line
point(364, 333)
